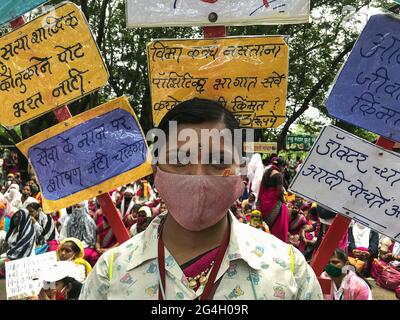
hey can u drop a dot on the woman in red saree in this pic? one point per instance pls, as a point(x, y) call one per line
point(271, 200)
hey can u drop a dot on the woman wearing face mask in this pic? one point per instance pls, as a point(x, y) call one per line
point(43, 223)
point(127, 203)
point(71, 249)
point(13, 195)
point(62, 281)
point(346, 284)
point(143, 213)
point(66, 288)
point(81, 226)
point(198, 250)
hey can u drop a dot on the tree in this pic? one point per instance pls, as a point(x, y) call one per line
point(317, 51)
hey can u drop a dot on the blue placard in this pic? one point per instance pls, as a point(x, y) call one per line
point(367, 90)
point(12, 9)
point(88, 154)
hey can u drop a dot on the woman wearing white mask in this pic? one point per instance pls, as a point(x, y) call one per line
point(198, 250)
point(80, 225)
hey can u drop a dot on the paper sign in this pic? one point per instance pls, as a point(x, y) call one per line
point(247, 75)
point(367, 90)
point(88, 155)
point(12, 9)
point(22, 275)
point(261, 147)
point(353, 177)
point(299, 142)
point(156, 13)
point(46, 63)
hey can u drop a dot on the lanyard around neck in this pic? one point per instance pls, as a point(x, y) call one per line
point(207, 293)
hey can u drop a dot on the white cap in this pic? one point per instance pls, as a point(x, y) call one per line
point(56, 271)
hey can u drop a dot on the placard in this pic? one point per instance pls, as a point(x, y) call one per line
point(299, 142)
point(260, 147)
point(88, 155)
point(156, 13)
point(247, 75)
point(12, 9)
point(23, 275)
point(353, 177)
point(367, 90)
point(48, 62)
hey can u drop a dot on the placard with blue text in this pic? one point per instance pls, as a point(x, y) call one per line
point(88, 155)
point(353, 177)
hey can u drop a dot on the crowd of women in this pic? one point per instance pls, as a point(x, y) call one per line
point(81, 234)
point(303, 224)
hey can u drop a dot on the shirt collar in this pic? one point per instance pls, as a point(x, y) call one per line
point(238, 248)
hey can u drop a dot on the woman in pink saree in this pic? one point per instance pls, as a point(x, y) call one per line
point(271, 200)
point(105, 237)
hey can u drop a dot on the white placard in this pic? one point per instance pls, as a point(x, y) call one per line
point(22, 275)
point(157, 13)
point(353, 177)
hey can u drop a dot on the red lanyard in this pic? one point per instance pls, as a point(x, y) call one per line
point(206, 295)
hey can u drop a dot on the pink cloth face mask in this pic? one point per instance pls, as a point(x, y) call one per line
point(197, 202)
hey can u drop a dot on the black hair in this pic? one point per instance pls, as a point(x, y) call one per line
point(195, 111)
point(74, 247)
point(33, 205)
point(340, 254)
point(34, 189)
point(313, 212)
point(198, 110)
point(76, 287)
point(325, 213)
point(23, 219)
point(13, 223)
point(252, 194)
point(279, 162)
point(142, 226)
point(266, 179)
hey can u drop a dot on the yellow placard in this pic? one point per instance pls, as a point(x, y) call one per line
point(59, 155)
point(261, 147)
point(247, 75)
point(46, 63)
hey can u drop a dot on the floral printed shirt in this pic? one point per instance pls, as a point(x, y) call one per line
point(256, 265)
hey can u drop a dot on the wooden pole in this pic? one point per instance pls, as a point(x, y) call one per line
point(106, 204)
